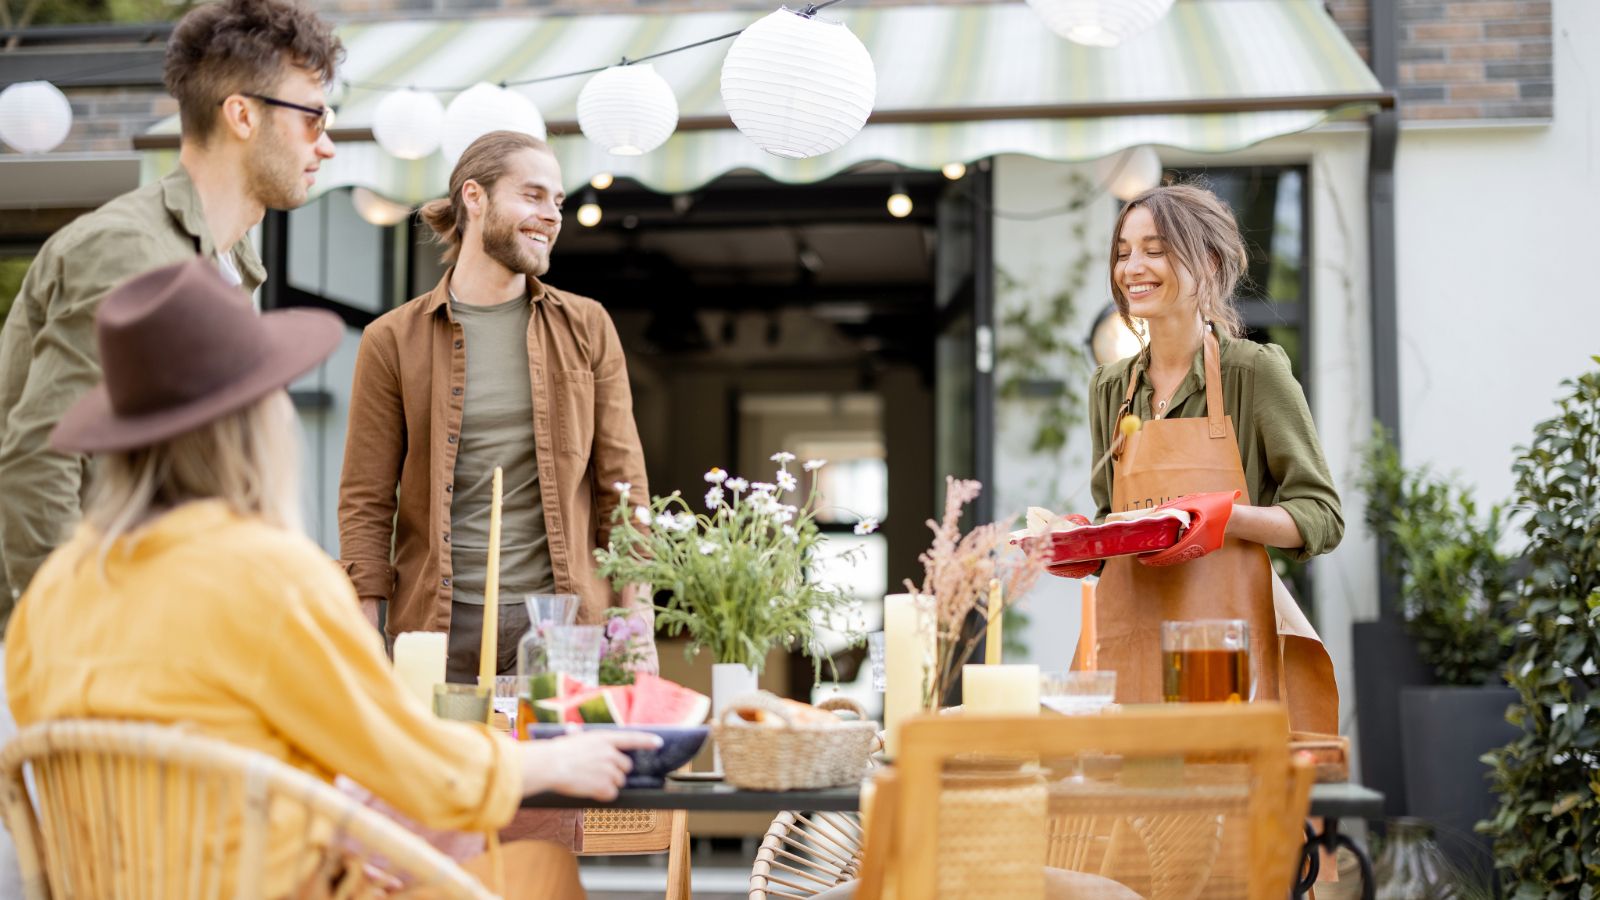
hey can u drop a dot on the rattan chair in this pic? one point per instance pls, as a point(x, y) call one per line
point(803, 854)
point(632, 832)
point(132, 809)
point(1173, 802)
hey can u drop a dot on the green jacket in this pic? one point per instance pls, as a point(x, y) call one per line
point(1278, 445)
point(48, 355)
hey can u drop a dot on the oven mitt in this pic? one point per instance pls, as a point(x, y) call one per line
point(1208, 523)
point(1075, 569)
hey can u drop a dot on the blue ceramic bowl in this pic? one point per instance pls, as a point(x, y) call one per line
point(679, 744)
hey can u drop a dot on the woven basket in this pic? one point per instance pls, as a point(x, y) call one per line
point(792, 756)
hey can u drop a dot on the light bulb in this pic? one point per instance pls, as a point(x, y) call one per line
point(601, 181)
point(899, 205)
point(955, 171)
point(589, 215)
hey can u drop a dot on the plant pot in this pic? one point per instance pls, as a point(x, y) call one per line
point(729, 682)
point(1443, 732)
point(1388, 664)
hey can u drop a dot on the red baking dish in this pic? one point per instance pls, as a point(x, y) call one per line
point(1111, 539)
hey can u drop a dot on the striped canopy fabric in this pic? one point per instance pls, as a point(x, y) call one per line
point(955, 83)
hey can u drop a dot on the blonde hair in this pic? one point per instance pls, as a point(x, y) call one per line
point(248, 460)
point(1203, 237)
point(484, 161)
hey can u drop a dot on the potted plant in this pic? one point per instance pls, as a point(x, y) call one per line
point(958, 570)
point(1456, 602)
point(736, 575)
point(1547, 829)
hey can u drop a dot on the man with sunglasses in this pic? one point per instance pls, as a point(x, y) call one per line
point(249, 77)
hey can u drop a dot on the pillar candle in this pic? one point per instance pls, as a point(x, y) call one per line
point(993, 641)
point(908, 640)
point(489, 650)
point(1087, 638)
point(1000, 690)
point(419, 662)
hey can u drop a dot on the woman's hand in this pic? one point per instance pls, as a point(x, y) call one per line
point(588, 764)
point(1269, 525)
point(1209, 515)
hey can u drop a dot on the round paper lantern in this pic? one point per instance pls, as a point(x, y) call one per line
point(1131, 172)
point(1100, 23)
point(34, 116)
point(798, 86)
point(481, 109)
point(377, 209)
point(628, 110)
point(408, 124)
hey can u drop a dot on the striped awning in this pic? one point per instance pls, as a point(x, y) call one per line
point(955, 83)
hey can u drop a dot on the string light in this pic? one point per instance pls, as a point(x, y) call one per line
point(955, 171)
point(589, 213)
point(601, 181)
point(899, 204)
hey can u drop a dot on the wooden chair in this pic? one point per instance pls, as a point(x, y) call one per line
point(127, 809)
point(1173, 802)
point(631, 832)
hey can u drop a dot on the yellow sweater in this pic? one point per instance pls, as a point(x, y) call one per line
point(254, 636)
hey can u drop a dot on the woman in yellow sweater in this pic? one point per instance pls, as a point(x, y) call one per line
point(189, 593)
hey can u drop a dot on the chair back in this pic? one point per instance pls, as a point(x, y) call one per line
point(135, 809)
point(1168, 802)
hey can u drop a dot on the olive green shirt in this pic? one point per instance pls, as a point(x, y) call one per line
point(497, 430)
point(48, 355)
point(1278, 445)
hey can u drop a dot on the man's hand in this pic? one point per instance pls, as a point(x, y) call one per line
point(369, 608)
point(585, 764)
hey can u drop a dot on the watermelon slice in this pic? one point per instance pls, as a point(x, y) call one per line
point(606, 705)
point(551, 687)
point(657, 701)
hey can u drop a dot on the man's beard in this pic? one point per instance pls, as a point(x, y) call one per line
point(272, 175)
point(503, 243)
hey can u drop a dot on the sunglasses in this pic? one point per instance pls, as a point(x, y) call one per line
point(321, 117)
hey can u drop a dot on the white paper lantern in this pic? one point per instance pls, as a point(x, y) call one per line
point(483, 108)
point(408, 124)
point(378, 209)
point(628, 110)
point(34, 116)
point(798, 86)
point(1131, 172)
point(1100, 23)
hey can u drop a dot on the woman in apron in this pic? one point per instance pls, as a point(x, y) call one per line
point(1226, 437)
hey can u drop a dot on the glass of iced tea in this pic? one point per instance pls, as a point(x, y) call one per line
point(1206, 661)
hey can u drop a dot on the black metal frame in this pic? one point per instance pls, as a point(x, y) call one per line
point(1332, 839)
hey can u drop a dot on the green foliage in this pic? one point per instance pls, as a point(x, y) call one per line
point(1455, 585)
point(1547, 830)
point(23, 13)
point(736, 575)
point(11, 271)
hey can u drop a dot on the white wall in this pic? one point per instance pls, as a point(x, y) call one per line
point(1497, 251)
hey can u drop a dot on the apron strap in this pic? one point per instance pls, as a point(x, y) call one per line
point(1117, 442)
point(1216, 413)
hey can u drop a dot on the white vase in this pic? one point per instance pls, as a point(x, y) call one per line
point(729, 682)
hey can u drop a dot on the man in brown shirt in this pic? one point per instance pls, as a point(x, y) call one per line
point(447, 388)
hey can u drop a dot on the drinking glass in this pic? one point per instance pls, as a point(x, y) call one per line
point(462, 702)
point(545, 611)
point(875, 659)
point(1206, 661)
point(1077, 693)
point(575, 652)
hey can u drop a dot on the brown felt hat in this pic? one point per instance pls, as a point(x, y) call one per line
point(181, 347)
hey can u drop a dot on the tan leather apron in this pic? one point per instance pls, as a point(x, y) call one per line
point(1166, 459)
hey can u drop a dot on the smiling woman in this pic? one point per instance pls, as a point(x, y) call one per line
point(1228, 439)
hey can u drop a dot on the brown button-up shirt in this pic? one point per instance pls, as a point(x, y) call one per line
point(405, 427)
